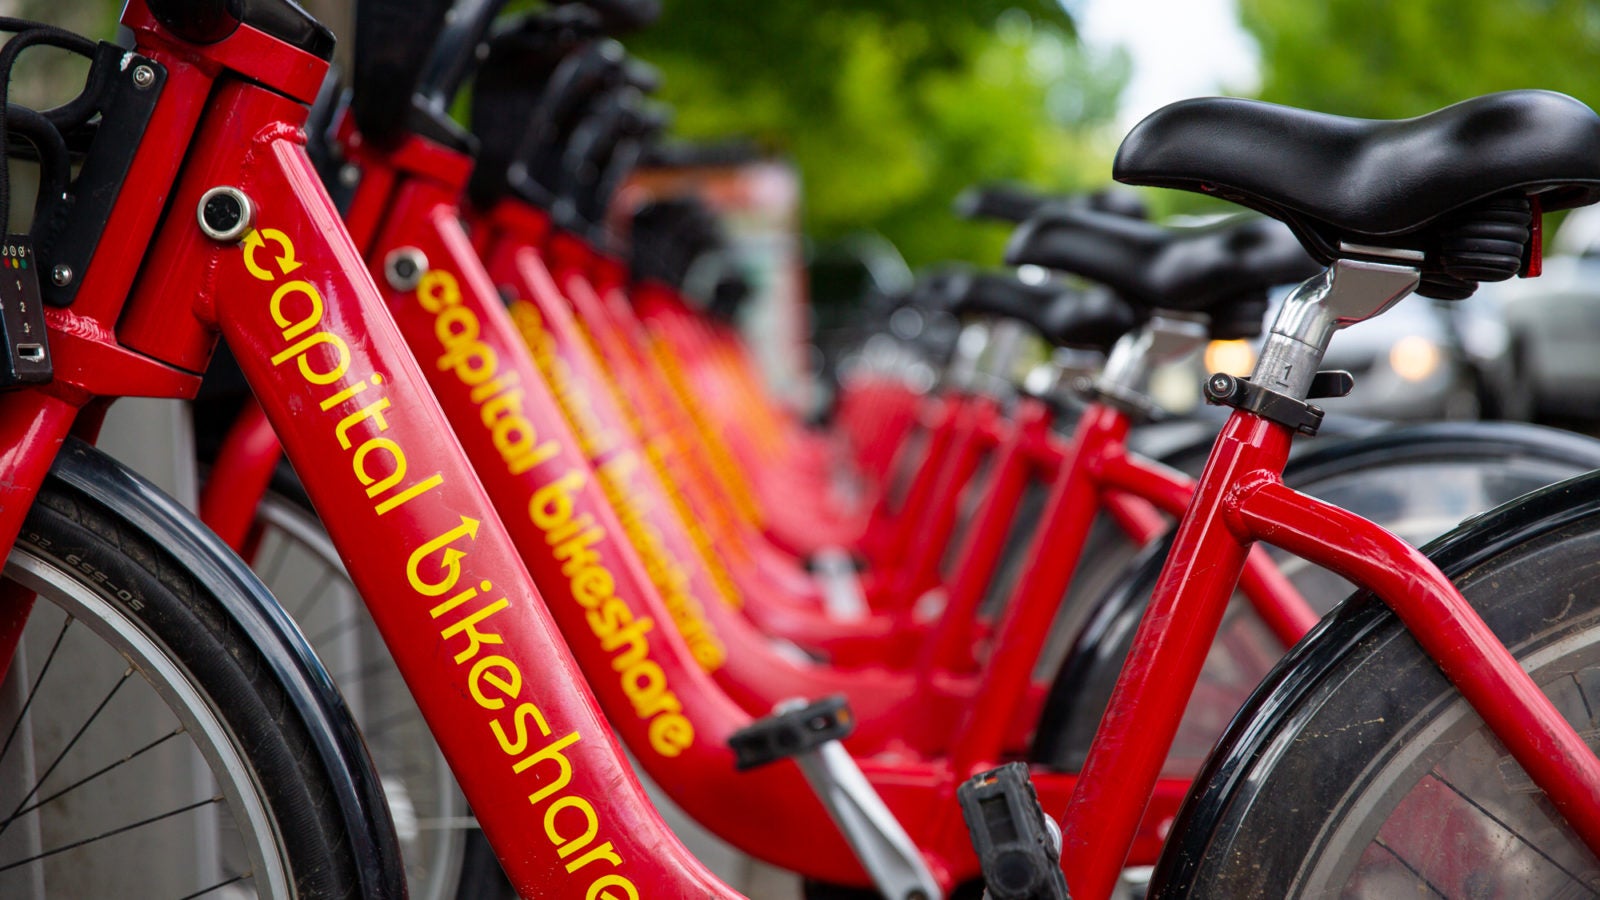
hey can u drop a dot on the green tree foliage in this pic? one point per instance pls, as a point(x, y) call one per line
point(891, 107)
point(1383, 59)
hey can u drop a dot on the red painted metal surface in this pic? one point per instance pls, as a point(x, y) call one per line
point(1270, 593)
point(419, 537)
point(240, 475)
point(1052, 556)
point(949, 646)
point(1447, 627)
point(557, 511)
point(746, 664)
point(1169, 648)
point(464, 620)
point(33, 425)
point(974, 441)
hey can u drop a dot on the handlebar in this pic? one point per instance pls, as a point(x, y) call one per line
point(209, 21)
point(393, 40)
point(455, 53)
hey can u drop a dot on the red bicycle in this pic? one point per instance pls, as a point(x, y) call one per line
point(421, 208)
point(463, 621)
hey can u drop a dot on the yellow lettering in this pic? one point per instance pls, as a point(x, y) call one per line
point(551, 752)
point(376, 486)
point(508, 680)
point(469, 627)
point(294, 329)
point(671, 734)
point(341, 352)
point(592, 586)
point(552, 504)
point(449, 563)
point(438, 289)
point(370, 411)
point(566, 846)
point(519, 721)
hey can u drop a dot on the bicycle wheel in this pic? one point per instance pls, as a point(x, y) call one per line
point(1417, 482)
point(293, 556)
point(146, 749)
point(1414, 796)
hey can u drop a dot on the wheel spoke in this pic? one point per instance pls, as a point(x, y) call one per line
point(272, 568)
point(92, 776)
point(67, 749)
point(379, 726)
point(34, 690)
point(1506, 827)
point(1401, 860)
point(314, 596)
point(112, 833)
point(364, 673)
point(216, 887)
point(347, 623)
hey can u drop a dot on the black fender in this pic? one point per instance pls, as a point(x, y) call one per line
point(257, 613)
point(1271, 706)
point(1083, 682)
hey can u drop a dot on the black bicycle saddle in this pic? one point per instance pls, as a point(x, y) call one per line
point(1007, 202)
point(1156, 267)
point(1061, 314)
point(1372, 182)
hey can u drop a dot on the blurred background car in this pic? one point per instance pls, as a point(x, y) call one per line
point(1423, 360)
point(1555, 319)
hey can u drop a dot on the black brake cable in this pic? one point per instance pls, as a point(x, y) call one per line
point(38, 128)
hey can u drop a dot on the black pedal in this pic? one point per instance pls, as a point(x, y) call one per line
point(1019, 853)
point(25, 351)
point(792, 732)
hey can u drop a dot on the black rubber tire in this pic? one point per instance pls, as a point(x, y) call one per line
point(1360, 717)
point(474, 873)
point(100, 551)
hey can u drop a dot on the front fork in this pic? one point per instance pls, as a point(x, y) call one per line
point(33, 425)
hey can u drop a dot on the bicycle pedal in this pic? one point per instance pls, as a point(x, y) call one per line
point(791, 731)
point(1018, 846)
point(809, 733)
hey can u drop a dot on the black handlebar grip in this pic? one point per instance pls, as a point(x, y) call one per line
point(209, 21)
point(621, 16)
point(455, 53)
point(393, 40)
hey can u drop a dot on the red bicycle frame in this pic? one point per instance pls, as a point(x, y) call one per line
point(476, 358)
point(461, 616)
point(1241, 499)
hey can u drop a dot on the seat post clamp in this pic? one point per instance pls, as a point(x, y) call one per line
point(1241, 393)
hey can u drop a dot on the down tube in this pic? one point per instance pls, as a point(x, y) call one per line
point(628, 638)
point(419, 537)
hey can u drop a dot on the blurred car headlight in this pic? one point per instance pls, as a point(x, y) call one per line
point(1414, 358)
point(1230, 357)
